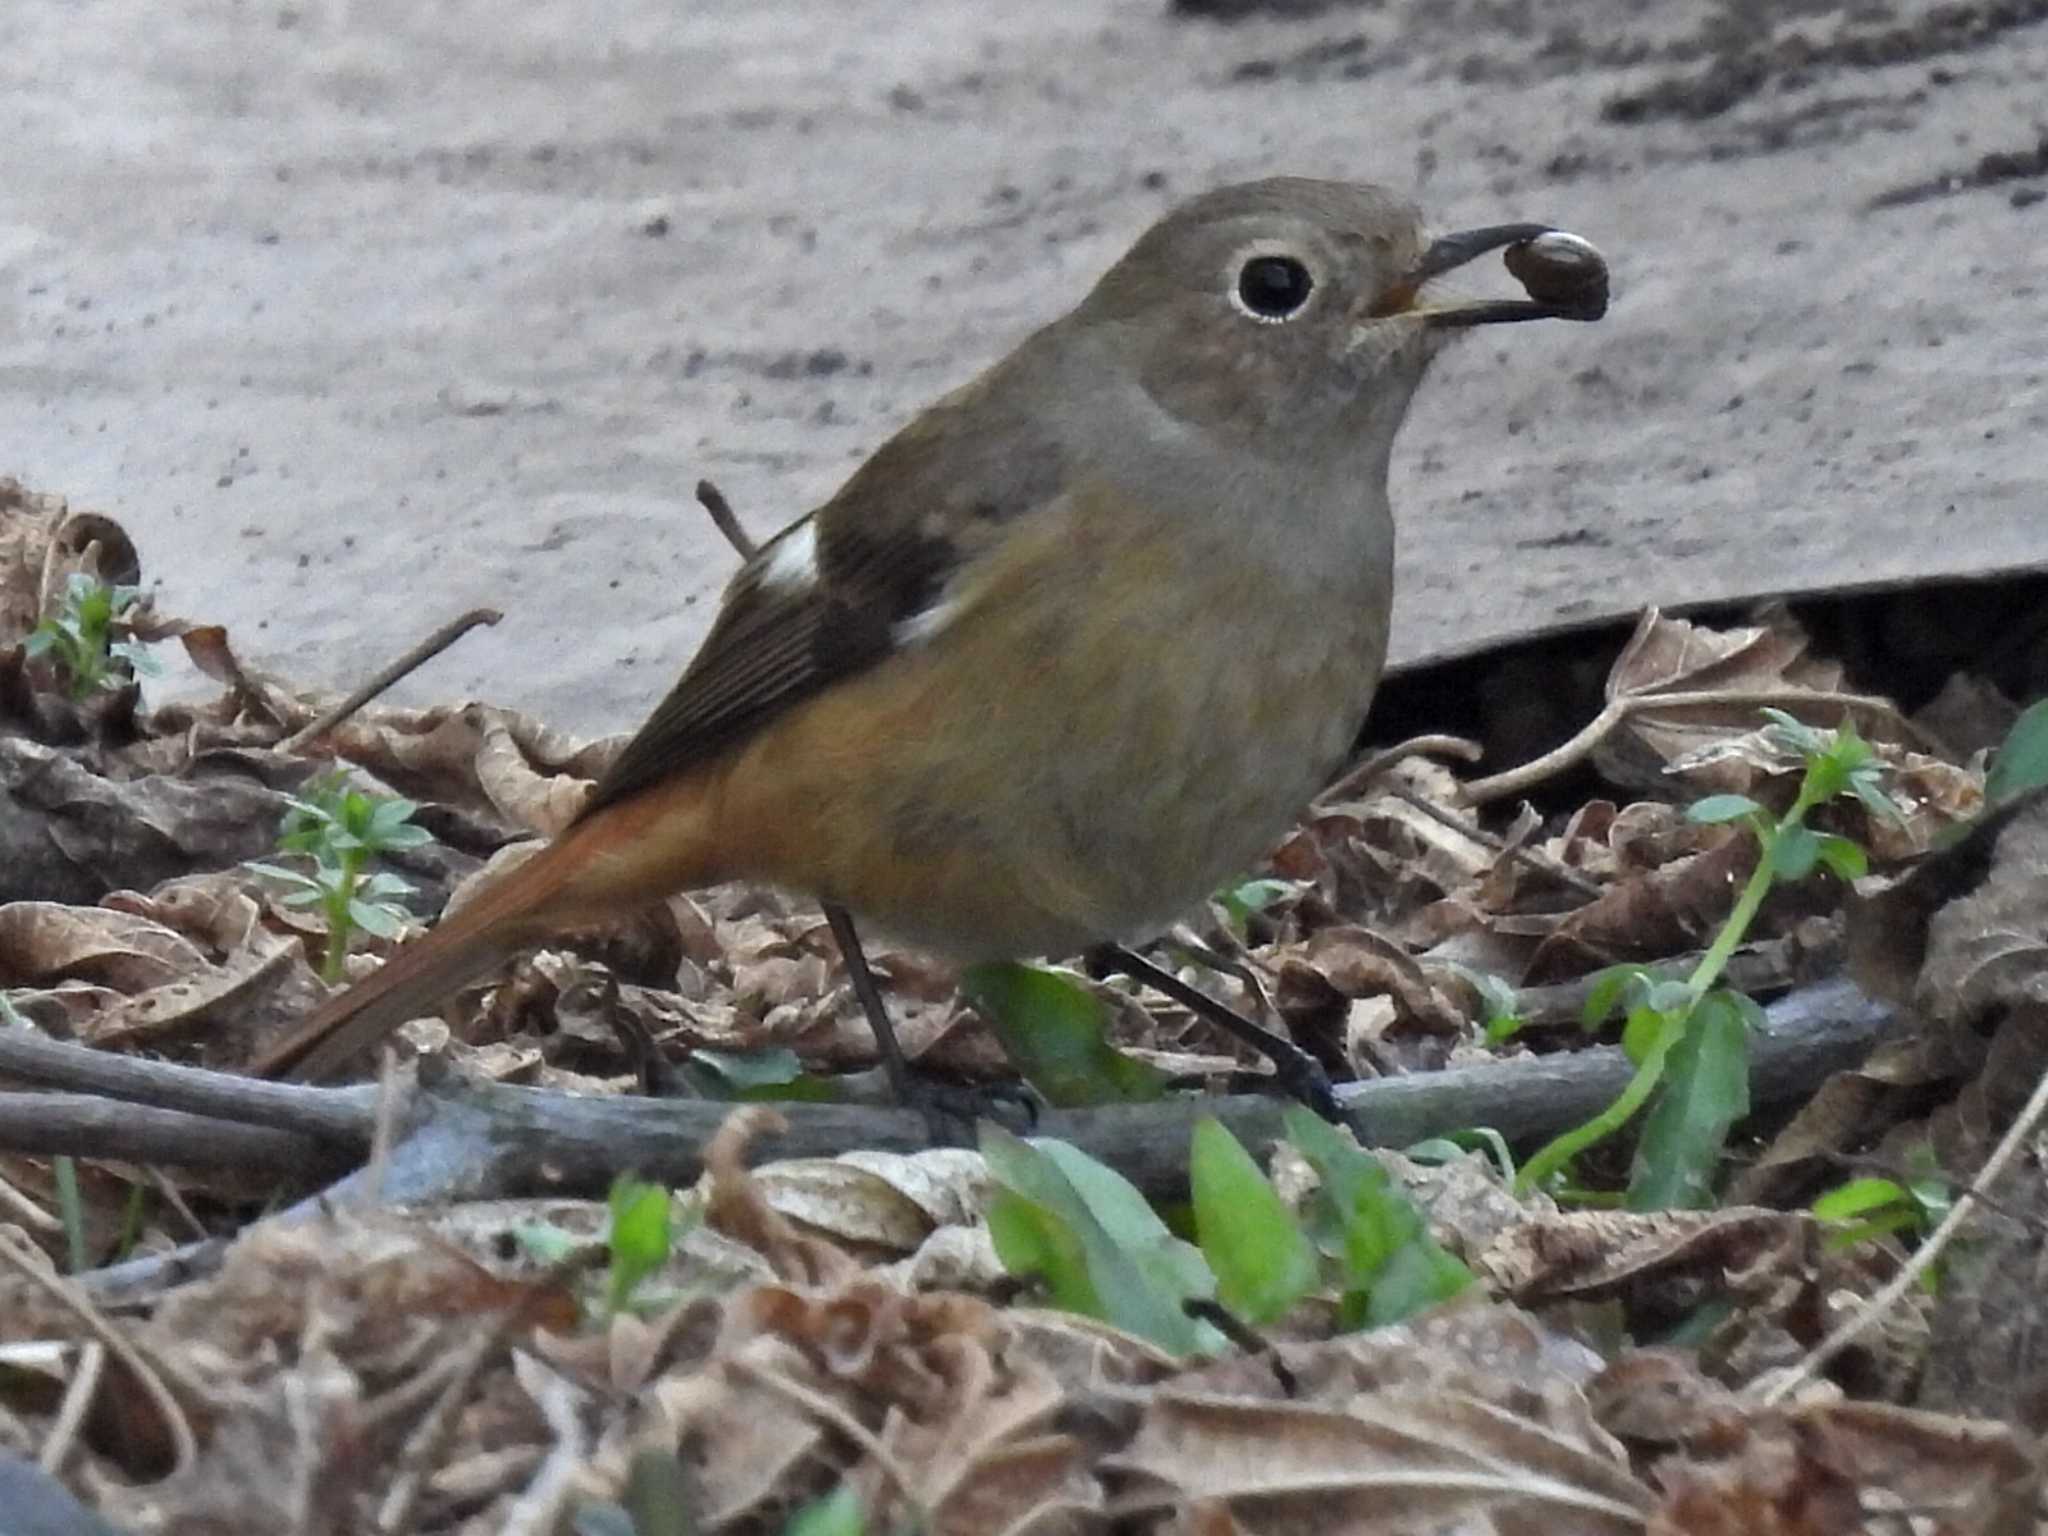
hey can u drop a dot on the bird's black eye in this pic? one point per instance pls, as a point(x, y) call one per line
point(1273, 287)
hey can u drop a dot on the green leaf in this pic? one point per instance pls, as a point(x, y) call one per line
point(1263, 1264)
point(1478, 1138)
point(1875, 800)
point(1932, 1199)
point(544, 1243)
point(1795, 733)
point(1499, 1007)
point(381, 885)
point(757, 1077)
point(1667, 994)
point(1056, 1032)
point(1417, 1277)
point(739, 1070)
point(1843, 856)
point(42, 639)
point(1606, 992)
point(1135, 1270)
point(375, 917)
point(1705, 1091)
point(1371, 1228)
point(1240, 901)
point(1718, 808)
point(1794, 850)
point(1858, 1197)
point(313, 809)
point(388, 815)
point(136, 654)
point(1034, 1243)
point(640, 1236)
point(838, 1513)
point(281, 875)
point(1649, 1032)
point(1348, 1173)
point(2021, 762)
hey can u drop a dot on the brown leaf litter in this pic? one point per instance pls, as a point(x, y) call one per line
point(360, 1363)
point(365, 1368)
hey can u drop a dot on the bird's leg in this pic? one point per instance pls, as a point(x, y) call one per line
point(946, 1110)
point(894, 1065)
point(1293, 1068)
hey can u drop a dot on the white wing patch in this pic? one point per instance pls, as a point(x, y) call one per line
point(791, 563)
point(924, 624)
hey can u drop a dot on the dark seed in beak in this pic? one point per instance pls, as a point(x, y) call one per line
point(1562, 271)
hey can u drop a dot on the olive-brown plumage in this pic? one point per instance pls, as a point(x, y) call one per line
point(1067, 651)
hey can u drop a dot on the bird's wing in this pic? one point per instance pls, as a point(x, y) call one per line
point(826, 598)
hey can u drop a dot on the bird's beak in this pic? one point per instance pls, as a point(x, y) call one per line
point(1565, 278)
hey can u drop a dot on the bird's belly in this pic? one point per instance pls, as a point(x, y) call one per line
point(1067, 766)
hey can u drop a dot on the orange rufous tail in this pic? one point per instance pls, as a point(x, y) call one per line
point(623, 857)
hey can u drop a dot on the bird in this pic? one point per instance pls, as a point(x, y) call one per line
point(1068, 650)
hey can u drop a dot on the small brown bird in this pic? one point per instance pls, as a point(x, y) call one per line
point(1073, 646)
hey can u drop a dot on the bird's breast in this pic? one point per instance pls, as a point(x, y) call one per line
point(1114, 719)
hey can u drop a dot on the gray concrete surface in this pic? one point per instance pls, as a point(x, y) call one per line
point(361, 312)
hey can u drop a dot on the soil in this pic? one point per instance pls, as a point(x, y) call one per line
point(359, 313)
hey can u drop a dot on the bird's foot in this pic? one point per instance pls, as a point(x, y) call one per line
point(952, 1110)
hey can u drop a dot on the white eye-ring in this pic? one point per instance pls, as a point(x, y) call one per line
point(1271, 285)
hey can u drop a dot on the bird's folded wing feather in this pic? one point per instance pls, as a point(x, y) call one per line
point(825, 599)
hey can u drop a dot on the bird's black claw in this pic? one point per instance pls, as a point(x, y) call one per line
point(952, 1110)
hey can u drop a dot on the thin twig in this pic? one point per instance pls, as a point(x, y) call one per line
point(1367, 769)
point(1521, 853)
point(341, 1117)
point(1910, 1272)
point(184, 1446)
point(18, 1207)
point(1906, 1178)
point(411, 661)
point(712, 499)
point(85, 1381)
point(86, 1125)
point(542, 1506)
point(1517, 781)
point(175, 1199)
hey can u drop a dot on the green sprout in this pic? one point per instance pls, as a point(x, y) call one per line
point(1688, 1037)
point(1498, 1002)
point(1083, 1232)
point(642, 1235)
point(1862, 1210)
point(338, 830)
point(89, 638)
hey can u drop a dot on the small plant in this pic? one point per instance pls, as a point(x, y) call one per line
point(1862, 1210)
point(1099, 1249)
point(88, 636)
point(1056, 1033)
point(339, 830)
point(641, 1236)
point(1688, 1037)
point(1498, 1002)
point(1245, 900)
point(2021, 762)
